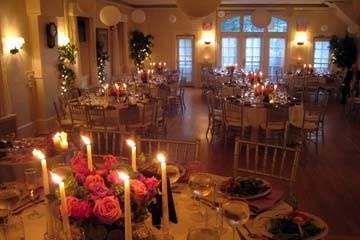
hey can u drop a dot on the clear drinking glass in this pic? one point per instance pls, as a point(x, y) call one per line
point(237, 213)
point(14, 229)
point(32, 184)
point(201, 185)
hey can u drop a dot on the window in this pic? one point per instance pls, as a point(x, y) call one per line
point(321, 56)
point(231, 25)
point(185, 57)
point(253, 54)
point(228, 51)
point(277, 25)
point(249, 26)
point(276, 57)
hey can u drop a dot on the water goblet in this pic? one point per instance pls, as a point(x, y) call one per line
point(237, 213)
point(201, 185)
point(32, 185)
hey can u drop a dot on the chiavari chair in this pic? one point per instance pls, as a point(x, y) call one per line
point(177, 151)
point(77, 115)
point(215, 116)
point(276, 163)
point(63, 122)
point(233, 119)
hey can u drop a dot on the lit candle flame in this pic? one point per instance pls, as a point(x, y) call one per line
point(86, 140)
point(38, 154)
point(123, 176)
point(56, 178)
point(130, 143)
point(161, 157)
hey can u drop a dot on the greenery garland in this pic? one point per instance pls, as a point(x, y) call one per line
point(140, 48)
point(101, 62)
point(67, 58)
point(343, 51)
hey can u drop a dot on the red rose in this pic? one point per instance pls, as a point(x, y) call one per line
point(107, 209)
point(139, 189)
point(78, 209)
point(110, 161)
point(92, 180)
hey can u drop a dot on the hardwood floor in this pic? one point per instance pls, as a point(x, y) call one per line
point(328, 182)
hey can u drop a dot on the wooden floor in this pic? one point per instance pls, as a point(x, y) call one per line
point(328, 182)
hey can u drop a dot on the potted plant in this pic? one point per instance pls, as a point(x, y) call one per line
point(140, 48)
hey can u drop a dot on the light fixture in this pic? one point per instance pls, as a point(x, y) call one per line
point(63, 40)
point(14, 44)
point(301, 38)
point(208, 37)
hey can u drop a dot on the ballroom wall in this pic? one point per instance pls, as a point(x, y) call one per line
point(158, 24)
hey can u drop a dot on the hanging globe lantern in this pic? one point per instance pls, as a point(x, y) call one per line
point(110, 15)
point(138, 16)
point(198, 8)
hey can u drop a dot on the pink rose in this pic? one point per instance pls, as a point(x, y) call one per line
point(94, 180)
point(99, 190)
point(110, 161)
point(107, 209)
point(139, 189)
point(151, 183)
point(113, 177)
point(79, 165)
point(78, 209)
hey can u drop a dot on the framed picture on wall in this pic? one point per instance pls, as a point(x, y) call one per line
point(102, 41)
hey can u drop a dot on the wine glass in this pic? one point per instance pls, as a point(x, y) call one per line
point(237, 213)
point(32, 185)
point(203, 233)
point(219, 200)
point(201, 185)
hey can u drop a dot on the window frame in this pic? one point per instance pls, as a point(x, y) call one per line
point(313, 53)
point(285, 52)
point(193, 38)
point(221, 48)
point(255, 35)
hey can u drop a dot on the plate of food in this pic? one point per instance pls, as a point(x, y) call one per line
point(245, 188)
point(295, 225)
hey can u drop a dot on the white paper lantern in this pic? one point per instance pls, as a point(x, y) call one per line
point(324, 28)
point(87, 7)
point(261, 18)
point(198, 8)
point(221, 14)
point(138, 16)
point(110, 15)
point(172, 19)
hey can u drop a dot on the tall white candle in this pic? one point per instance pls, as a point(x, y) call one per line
point(132, 145)
point(87, 142)
point(63, 207)
point(164, 194)
point(127, 205)
point(45, 175)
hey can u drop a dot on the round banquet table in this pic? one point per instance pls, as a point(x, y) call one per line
point(255, 116)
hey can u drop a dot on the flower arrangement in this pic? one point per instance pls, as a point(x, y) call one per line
point(96, 199)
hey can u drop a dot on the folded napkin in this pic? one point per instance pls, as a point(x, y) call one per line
point(156, 208)
point(262, 204)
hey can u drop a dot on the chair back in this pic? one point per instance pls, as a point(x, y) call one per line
point(107, 142)
point(275, 162)
point(58, 115)
point(277, 114)
point(177, 151)
point(95, 116)
point(77, 113)
point(148, 115)
point(233, 113)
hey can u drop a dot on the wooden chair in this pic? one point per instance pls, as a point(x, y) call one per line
point(77, 115)
point(8, 126)
point(215, 116)
point(233, 119)
point(96, 118)
point(276, 121)
point(107, 142)
point(63, 122)
point(177, 151)
point(147, 120)
point(277, 163)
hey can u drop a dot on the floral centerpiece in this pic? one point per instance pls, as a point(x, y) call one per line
point(96, 199)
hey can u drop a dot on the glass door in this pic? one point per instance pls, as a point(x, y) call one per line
point(185, 57)
point(276, 58)
point(253, 54)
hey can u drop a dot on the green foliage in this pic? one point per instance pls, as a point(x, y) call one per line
point(67, 58)
point(343, 51)
point(74, 189)
point(140, 47)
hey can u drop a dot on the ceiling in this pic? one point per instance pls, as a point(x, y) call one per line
point(227, 2)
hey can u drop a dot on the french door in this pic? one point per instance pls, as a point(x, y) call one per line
point(185, 57)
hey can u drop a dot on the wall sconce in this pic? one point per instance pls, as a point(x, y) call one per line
point(301, 38)
point(14, 44)
point(208, 37)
